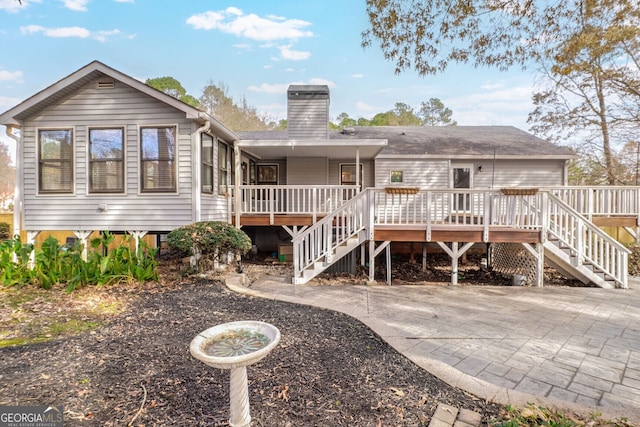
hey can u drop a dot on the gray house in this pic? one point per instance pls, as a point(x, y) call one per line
point(99, 150)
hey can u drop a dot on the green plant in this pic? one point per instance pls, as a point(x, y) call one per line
point(56, 264)
point(210, 239)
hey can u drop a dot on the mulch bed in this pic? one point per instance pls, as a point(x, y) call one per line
point(327, 370)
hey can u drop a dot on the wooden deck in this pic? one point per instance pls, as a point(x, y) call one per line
point(455, 233)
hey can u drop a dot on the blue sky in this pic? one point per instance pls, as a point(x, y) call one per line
point(254, 47)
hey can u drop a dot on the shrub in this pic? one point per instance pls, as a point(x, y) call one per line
point(210, 239)
point(57, 264)
point(4, 231)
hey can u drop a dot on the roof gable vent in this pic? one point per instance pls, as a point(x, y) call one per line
point(106, 84)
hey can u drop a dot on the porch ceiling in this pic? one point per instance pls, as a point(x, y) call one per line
point(333, 148)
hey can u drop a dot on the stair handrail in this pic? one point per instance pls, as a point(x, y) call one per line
point(319, 241)
point(587, 240)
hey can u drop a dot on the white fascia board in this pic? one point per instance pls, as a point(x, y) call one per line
point(312, 143)
point(478, 157)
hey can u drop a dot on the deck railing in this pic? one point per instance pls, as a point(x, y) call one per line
point(320, 240)
point(294, 199)
point(601, 200)
point(457, 207)
point(587, 243)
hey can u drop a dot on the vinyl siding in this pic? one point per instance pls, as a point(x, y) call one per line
point(308, 118)
point(519, 173)
point(306, 171)
point(118, 107)
point(416, 173)
point(367, 171)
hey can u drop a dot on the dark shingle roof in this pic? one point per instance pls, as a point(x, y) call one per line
point(459, 140)
point(443, 140)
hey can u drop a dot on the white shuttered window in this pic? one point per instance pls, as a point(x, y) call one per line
point(106, 160)
point(158, 161)
point(55, 160)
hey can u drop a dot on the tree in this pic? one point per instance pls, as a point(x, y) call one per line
point(7, 176)
point(216, 101)
point(428, 35)
point(590, 92)
point(172, 87)
point(434, 113)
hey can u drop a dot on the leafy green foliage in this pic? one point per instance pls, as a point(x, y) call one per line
point(209, 239)
point(432, 113)
point(4, 230)
point(174, 88)
point(56, 264)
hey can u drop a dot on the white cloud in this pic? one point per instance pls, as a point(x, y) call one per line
point(102, 36)
point(6, 76)
point(293, 55)
point(267, 88)
point(242, 46)
point(65, 32)
point(267, 67)
point(503, 105)
point(233, 21)
point(357, 76)
point(282, 87)
point(124, 1)
point(77, 5)
point(57, 32)
point(319, 81)
point(12, 6)
point(364, 107)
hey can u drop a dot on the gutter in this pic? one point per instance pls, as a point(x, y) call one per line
point(197, 200)
point(17, 196)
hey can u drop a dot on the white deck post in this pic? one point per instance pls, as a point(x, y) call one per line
point(238, 177)
point(82, 235)
point(31, 240)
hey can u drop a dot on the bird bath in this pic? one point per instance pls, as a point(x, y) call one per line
point(233, 346)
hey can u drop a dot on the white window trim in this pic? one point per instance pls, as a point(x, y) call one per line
point(73, 161)
point(139, 159)
point(124, 161)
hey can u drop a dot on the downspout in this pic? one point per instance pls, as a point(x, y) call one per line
point(198, 167)
point(17, 195)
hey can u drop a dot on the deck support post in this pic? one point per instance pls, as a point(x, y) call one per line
point(388, 253)
point(31, 240)
point(455, 253)
point(372, 260)
point(137, 235)
point(424, 257)
point(83, 235)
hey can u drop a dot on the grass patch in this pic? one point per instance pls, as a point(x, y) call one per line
point(31, 315)
point(537, 416)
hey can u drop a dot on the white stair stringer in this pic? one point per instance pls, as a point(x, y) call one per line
point(338, 253)
point(579, 249)
point(563, 262)
point(331, 238)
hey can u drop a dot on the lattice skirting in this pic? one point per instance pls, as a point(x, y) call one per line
point(513, 258)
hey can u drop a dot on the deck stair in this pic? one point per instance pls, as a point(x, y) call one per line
point(572, 243)
point(331, 238)
point(578, 249)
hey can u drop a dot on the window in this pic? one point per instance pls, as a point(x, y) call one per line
point(462, 179)
point(348, 174)
point(55, 160)
point(106, 160)
point(158, 160)
point(396, 177)
point(207, 163)
point(223, 172)
point(267, 174)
